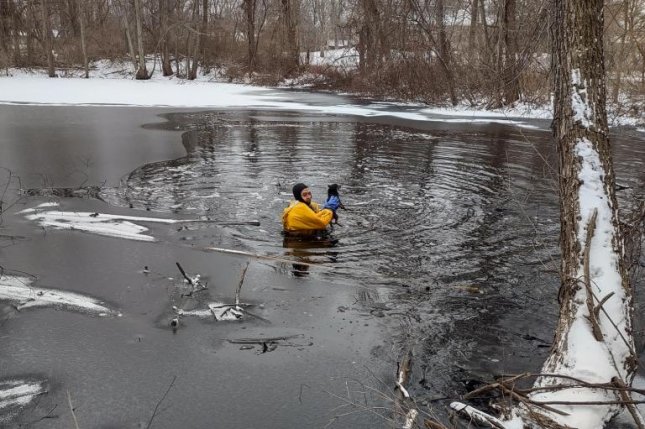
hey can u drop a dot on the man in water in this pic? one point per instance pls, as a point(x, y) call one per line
point(303, 216)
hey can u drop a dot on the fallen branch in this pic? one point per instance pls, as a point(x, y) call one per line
point(261, 340)
point(265, 257)
point(154, 413)
point(627, 400)
point(595, 326)
point(71, 409)
point(403, 373)
point(239, 286)
point(183, 273)
point(477, 416)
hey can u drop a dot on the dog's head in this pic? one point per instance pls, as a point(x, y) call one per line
point(333, 189)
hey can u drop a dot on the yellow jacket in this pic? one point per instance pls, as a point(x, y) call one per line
point(302, 217)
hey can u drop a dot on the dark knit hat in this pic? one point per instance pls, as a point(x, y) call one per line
point(297, 189)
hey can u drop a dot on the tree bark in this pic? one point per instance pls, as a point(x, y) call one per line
point(47, 38)
point(202, 42)
point(17, 55)
point(290, 12)
point(81, 20)
point(472, 31)
point(444, 51)
point(593, 341)
point(589, 272)
point(128, 38)
point(164, 11)
point(142, 72)
point(5, 32)
point(510, 74)
point(250, 7)
point(191, 68)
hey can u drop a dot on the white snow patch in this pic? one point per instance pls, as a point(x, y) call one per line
point(18, 393)
point(642, 130)
point(582, 112)
point(19, 290)
point(109, 225)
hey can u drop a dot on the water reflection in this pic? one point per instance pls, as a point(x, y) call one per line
point(422, 205)
point(461, 225)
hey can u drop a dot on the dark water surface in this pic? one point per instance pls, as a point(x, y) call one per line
point(448, 246)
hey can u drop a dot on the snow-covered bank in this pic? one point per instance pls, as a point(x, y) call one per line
point(111, 84)
point(116, 90)
point(19, 291)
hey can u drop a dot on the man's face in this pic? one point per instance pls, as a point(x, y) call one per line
point(305, 194)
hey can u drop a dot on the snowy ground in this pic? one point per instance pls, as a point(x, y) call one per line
point(112, 84)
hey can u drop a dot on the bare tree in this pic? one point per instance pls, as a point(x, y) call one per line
point(164, 12)
point(142, 72)
point(81, 19)
point(47, 39)
point(250, 7)
point(290, 13)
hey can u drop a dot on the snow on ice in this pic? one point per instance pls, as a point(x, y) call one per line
point(18, 290)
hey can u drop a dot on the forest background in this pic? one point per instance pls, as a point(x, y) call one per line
point(481, 53)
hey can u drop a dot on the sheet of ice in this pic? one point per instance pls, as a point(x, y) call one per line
point(171, 92)
point(97, 223)
point(18, 393)
point(19, 291)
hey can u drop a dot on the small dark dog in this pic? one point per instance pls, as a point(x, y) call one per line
point(332, 191)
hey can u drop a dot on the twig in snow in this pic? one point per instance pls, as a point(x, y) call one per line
point(638, 418)
point(595, 326)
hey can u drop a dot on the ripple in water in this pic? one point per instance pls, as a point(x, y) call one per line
point(465, 224)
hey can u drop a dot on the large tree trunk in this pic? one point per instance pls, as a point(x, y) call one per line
point(202, 42)
point(191, 68)
point(142, 72)
point(511, 78)
point(290, 12)
point(81, 19)
point(164, 11)
point(47, 38)
point(128, 37)
point(445, 56)
point(5, 33)
point(593, 341)
point(17, 56)
point(249, 7)
point(472, 31)
point(593, 351)
point(73, 17)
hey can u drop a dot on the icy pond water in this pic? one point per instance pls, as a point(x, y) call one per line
point(448, 247)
